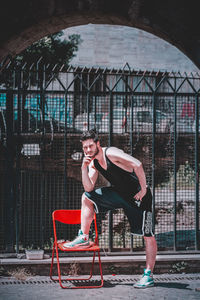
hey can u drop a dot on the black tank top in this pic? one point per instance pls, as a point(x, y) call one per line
point(124, 182)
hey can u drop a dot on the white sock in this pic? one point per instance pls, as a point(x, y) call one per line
point(85, 236)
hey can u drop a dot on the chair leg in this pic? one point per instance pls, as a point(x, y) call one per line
point(78, 279)
point(52, 260)
point(58, 267)
point(100, 268)
point(58, 264)
point(92, 267)
point(91, 271)
point(87, 278)
point(73, 279)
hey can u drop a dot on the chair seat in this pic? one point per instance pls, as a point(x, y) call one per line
point(91, 247)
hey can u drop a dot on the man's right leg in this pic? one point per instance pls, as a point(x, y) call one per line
point(106, 198)
point(87, 215)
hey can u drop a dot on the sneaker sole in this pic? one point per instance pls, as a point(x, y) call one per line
point(77, 246)
point(143, 286)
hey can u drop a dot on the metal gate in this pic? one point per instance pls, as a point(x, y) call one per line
point(153, 116)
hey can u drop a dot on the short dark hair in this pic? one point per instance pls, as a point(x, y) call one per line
point(89, 134)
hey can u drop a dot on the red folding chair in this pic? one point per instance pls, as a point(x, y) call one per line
point(74, 217)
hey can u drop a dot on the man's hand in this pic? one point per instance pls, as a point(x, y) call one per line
point(86, 161)
point(140, 194)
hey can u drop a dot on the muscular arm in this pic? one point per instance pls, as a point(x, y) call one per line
point(129, 163)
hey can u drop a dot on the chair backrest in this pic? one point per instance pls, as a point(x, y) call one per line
point(70, 216)
point(67, 216)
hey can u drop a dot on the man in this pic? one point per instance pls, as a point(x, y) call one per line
point(128, 190)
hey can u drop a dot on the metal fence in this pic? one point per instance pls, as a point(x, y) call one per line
point(153, 116)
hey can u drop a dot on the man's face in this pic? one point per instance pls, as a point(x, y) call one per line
point(90, 148)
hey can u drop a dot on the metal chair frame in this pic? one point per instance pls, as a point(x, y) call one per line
point(74, 217)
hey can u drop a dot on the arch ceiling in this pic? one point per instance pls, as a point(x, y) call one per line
point(26, 21)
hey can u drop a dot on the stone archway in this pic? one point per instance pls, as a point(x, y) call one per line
point(27, 21)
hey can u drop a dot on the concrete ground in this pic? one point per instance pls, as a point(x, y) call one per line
point(21, 278)
point(167, 287)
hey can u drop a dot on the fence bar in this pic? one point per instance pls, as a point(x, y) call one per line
point(88, 110)
point(153, 158)
point(65, 156)
point(41, 73)
point(110, 119)
point(131, 145)
point(9, 175)
point(110, 231)
point(19, 112)
point(175, 181)
point(110, 213)
point(197, 246)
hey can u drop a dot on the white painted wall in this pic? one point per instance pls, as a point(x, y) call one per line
point(112, 46)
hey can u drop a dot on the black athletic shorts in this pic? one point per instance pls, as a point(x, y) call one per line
point(139, 216)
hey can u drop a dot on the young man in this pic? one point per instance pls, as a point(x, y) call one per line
point(128, 190)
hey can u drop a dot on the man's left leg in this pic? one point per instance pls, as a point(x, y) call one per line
point(151, 251)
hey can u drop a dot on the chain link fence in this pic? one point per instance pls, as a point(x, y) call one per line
point(152, 116)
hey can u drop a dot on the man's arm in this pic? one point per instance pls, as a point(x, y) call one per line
point(129, 163)
point(139, 171)
point(89, 177)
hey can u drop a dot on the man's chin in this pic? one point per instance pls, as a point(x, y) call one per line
point(91, 156)
point(95, 154)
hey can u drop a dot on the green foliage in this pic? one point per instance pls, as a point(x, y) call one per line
point(187, 173)
point(52, 49)
point(3, 271)
point(179, 267)
point(185, 177)
point(49, 51)
point(112, 269)
point(118, 240)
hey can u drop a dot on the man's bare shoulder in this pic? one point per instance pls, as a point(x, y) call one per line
point(114, 151)
point(116, 154)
